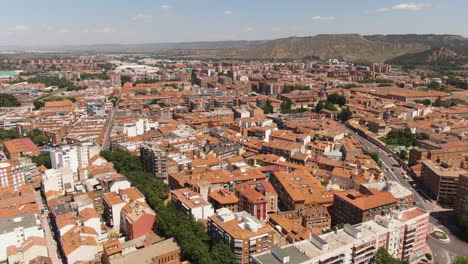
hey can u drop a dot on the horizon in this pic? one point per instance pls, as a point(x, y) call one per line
point(211, 41)
point(148, 21)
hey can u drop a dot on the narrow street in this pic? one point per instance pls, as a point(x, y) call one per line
point(51, 244)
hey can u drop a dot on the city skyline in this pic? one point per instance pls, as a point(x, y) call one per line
point(144, 21)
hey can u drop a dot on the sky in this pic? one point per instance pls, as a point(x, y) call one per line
point(76, 22)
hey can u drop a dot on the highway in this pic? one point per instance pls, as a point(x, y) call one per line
point(443, 252)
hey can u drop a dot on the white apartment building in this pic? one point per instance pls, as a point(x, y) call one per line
point(73, 156)
point(58, 180)
point(403, 234)
point(14, 230)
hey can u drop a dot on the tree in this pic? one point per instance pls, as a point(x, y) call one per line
point(286, 105)
point(383, 257)
point(461, 260)
point(402, 154)
point(42, 159)
point(267, 107)
point(345, 114)
point(222, 254)
point(8, 100)
point(8, 135)
point(425, 102)
point(463, 223)
point(434, 85)
point(323, 104)
point(37, 136)
point(337, 99)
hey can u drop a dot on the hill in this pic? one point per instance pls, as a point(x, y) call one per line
point(438, 56)
point(352, 47)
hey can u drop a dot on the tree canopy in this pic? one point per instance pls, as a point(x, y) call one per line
point(383, 257)
point(8, 100)
point(337, 99)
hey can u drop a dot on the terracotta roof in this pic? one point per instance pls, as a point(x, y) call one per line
point(224, 197)
point(366, 202)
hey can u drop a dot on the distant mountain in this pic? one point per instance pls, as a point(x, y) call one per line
point(439, 56)
point(352, 47)
point(458, 44)
point(412, 48)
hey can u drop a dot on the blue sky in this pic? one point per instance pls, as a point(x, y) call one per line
point(50, 22)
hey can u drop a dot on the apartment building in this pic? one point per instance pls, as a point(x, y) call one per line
point(154, 160)
point(298, 188)
point(60, 180)
point(441, 182)
point(461, 200)
point(16, 229)
point(257, 198)
point(242, 232)
point(353, 207)
point(192, 203)
point(11, 174)
point(402, 233)
point(137, 219)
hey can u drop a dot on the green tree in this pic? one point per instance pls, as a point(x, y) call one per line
point(383, 257)
point(8, 100)
point(461, 260)
point(345, 114)
point(425, 102)
point(267, 107)
point(403, 154)
point(37, 136)
point(463, 223)
point(286, 105)
point(337, 99)
point(8, 135)
point(222, 254)
point(323, 104)
point(434, 85)
point(42, 159)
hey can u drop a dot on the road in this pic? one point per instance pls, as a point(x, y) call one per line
point(444, 253)
point(110, 125)
point(51, 243)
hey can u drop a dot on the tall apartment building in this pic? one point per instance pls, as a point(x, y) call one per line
point(154, 160)
point(403, 234)
point(441, 182)
point(242, 232)
point(73, 156)
point(461, 201)
point(11, 174)
point(352, 207)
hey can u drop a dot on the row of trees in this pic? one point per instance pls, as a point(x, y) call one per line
point(196, 245)
point(289, 88)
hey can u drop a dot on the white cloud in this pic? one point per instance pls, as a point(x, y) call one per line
point(142, 17)
point(406, 7)
point(165, 7)
point(323, 18)
point(250, 29)
point(104, 30)
point(228, 12)
point(18, 28)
